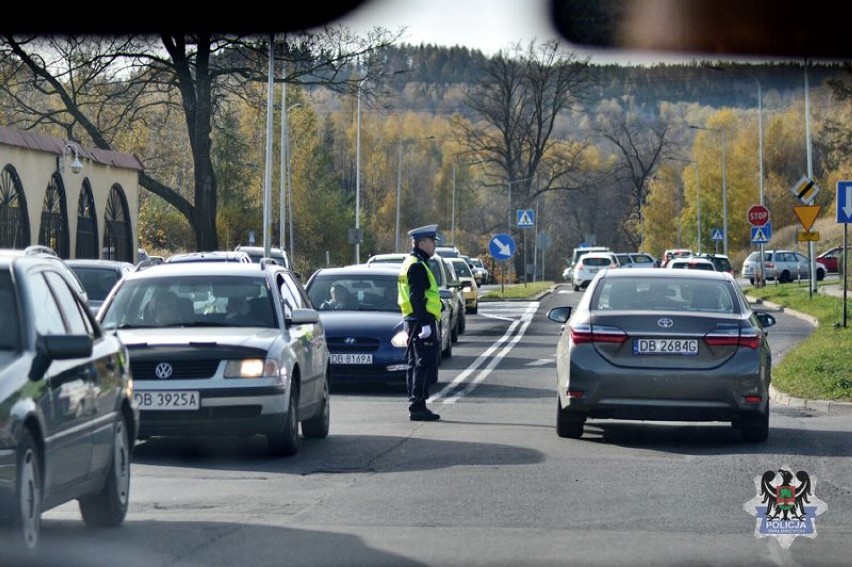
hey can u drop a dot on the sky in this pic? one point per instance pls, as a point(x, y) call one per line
point(487, 25)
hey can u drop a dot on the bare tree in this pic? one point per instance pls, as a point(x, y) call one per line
point(639, 143)
point(105, 87)
point(519, 102)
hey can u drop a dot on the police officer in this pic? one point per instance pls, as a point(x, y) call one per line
point(420, 303)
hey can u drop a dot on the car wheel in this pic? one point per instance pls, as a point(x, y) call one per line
point(785, 277)
point(576, 287)
point(474, 310)
point(569, 424)
point(755, 428)
point(454, 332)
point(317, 427)
point(447, 352)
point(751, 281)
point(108, 508)
point(462, 320)
point(286, 442)
point(26, 515)
point(820, 275)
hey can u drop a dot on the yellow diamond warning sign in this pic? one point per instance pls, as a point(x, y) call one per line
point(807, 215)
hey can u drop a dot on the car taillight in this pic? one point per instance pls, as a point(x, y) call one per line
point(769, 264)
point(586, 333)
point(749, 337)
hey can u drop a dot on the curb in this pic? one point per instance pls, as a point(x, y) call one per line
point(779, 397)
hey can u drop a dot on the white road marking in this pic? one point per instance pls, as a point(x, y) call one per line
point(507, 342)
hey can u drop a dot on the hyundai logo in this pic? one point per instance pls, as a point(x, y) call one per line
point(665, 323)
point(163, 370)
point(350, 340)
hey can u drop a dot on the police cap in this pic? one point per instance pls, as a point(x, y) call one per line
point(428, 231)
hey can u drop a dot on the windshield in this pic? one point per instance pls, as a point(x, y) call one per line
point(190, 301)
point(353, 292)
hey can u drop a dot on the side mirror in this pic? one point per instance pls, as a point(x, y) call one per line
point(560, 314)
point(766, 320)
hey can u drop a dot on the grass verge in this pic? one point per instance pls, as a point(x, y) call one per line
point(517, 291)
point(819, 368)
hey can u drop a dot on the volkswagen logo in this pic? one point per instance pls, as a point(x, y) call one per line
point(665, 322)
point(350, 340)
point(163, 370)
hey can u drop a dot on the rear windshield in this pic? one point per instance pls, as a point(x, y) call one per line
point(669, 294)
point(596, 261)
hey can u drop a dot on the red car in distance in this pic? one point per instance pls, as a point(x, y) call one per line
point(832, 258)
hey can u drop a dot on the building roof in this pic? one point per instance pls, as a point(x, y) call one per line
point(39, 142)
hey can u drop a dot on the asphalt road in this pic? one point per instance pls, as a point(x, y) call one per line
point(490, 484)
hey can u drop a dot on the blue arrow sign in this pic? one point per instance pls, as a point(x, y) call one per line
point(526, 218)
point(501, 247)
point(844, 202)
point(761, 234)
point(717, 234)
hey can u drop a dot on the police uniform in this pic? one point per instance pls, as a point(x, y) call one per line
point(420, 302)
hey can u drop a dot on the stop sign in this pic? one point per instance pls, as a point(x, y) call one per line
point(758, 215)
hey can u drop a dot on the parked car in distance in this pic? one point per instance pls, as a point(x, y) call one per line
point(366, 339)
point(690, 263)
point(635, 260)
point(832, 259)
point(589, 265)
point(99, 276)
point(672, 253)
point(781, 265)
point(663, 345)
point(578, 252)
point(480, 272)
point(720, 261)
point(212, 256)
point(223, 349)
point(469, 289)
point(68, 422)
point(447, 251)
point(257, 252)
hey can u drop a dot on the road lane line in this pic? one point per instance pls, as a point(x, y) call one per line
point(507, 341)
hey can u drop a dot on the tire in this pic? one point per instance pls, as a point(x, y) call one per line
point(286, 442)
point(454, 332)
point(576, 287)
point(474, 310)
point(785, 277)
point(317, 426)
point(751, 281)
point(447, 352)
point(820, 275)
point(462, 320)
point(755, 428)
point(26, 515)
point(569, 424)
point(108, 508)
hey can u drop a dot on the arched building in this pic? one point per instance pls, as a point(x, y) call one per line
point(91, 213)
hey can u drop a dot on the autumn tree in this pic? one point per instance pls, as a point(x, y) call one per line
point(103, 88)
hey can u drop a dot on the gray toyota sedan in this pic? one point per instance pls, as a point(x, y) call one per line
point(663, 345)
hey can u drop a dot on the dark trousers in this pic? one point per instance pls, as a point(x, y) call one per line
point(422, 365)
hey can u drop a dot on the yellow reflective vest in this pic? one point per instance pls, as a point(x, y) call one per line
point(433, 297)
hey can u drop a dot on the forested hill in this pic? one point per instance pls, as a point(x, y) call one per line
point(430, 77)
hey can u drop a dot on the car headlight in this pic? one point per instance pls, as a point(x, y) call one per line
point(400, 340)
point(255, 368)
point(467, 288)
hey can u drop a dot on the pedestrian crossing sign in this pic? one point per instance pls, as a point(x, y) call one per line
point(761, 234)
point(717, 234)
point(526, 218)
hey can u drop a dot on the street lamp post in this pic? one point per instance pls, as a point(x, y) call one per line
point(399, 184)
point(358, 175)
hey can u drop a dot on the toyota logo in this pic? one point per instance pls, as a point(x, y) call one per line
point(665, 323)
point(350, 340)
point(163, 370)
